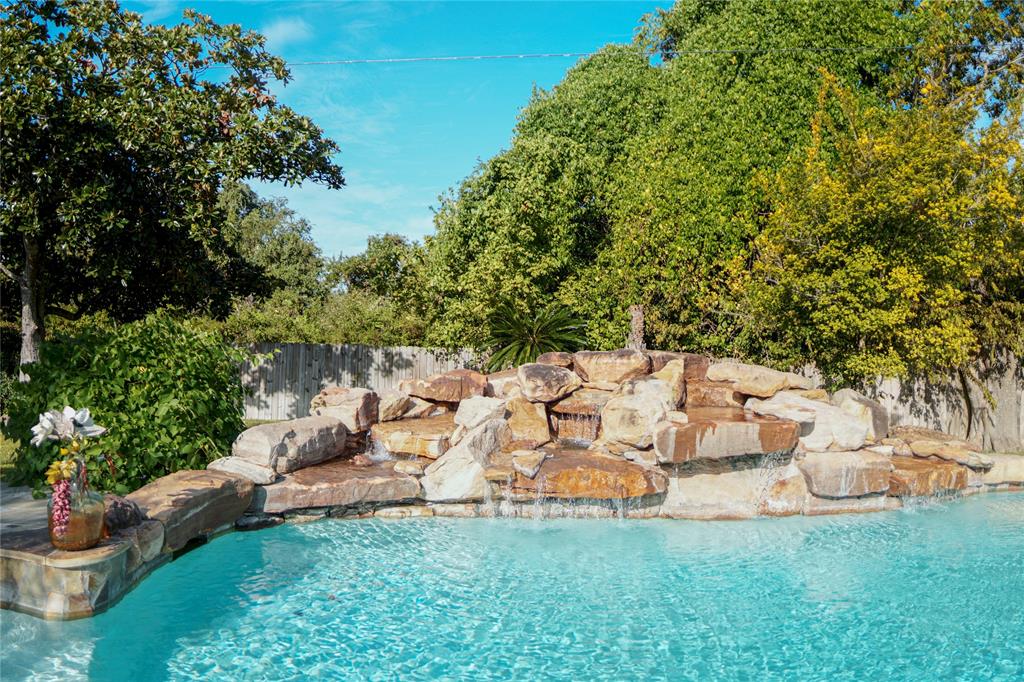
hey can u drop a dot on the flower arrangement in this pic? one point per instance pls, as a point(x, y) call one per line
point(71, 500)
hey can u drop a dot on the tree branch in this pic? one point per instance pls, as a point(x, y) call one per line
point(7, 272)
point(64, 314)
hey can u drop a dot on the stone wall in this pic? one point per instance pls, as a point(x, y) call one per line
point(994, 421)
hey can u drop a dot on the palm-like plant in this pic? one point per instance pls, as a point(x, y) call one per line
point(518, 337)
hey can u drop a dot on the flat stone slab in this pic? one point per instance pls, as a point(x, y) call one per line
point(450, 387)
point(586, 401)
point(192, 504)
point(915, 477)
point(339, 483)
point(715, 433)
point(20, 510)
point(1006, 470)
point(819, 506)
point(425, 437)
point(571, 473)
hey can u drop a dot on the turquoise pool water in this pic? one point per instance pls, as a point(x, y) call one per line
point(931, 593)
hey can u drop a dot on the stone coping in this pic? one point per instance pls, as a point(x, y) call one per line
point(37, 579)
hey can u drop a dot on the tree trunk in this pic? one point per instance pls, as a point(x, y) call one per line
point(636, 327)
point(32, 309)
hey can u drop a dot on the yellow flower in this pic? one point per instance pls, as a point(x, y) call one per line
point(60, 470)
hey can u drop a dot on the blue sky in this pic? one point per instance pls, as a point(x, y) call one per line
point(408, 132)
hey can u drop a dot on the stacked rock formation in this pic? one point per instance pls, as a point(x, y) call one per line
point(638, 433)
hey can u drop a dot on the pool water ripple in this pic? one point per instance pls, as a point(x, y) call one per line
point(932, 592)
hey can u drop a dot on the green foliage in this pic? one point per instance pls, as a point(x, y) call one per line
point(274, 242)
point(894, 243)
point(640, 178)
point(391, 266)
point(169, 393)
point(347, 317)
point(517, 338)
point(115, 136)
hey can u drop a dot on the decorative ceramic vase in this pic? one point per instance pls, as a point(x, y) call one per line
point(84, 527)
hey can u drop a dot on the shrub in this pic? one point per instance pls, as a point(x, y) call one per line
point(517, 338)
point(169, 393)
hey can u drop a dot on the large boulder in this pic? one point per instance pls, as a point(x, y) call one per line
point(585, 474)
point(340, 483)
point(393, 405)
point(696, 365)
point(355, 407)
point(475, 411)
point(290, 445)
point(923, 442)
point(450, 387)
point(503, 384)
point(713, 394)
point(546, 383)
point(528, 462)
point(846, 474)
point(716, 433)
point(756, 380)
point(822, 426)
point(674, 374)
point(425, 437)
point(459, 473)
point(865, 409)
point(915, 477)
point(739, 488)
point(528, 422)
point(193, 504)
point(613, 366)
point(556, 358)
point(630, 419)
point(120, 513)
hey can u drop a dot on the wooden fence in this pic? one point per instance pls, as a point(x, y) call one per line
point(282, 386)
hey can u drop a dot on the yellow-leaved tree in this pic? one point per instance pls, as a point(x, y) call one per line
point(894, 243)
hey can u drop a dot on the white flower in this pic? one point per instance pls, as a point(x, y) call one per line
point(65, 426)
point(64, 423)
point(43, 430)
point(85, 425)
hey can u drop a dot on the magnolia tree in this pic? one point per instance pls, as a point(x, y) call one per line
point(115, 138)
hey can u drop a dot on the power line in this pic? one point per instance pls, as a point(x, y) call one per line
point(549, 55)
point(459, 58)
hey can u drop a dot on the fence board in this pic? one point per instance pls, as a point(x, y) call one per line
point(282, 386)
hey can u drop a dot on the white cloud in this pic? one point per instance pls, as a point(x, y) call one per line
point(283, 32)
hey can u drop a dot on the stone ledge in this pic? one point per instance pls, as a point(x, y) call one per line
point(37, 579)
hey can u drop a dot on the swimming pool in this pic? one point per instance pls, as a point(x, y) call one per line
point(930, 592)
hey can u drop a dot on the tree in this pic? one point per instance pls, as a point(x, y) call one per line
point(277, 245)
point(640, 180)
point(894, 244)
point(390, 266)
point(115, 138)
point(534, 215)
